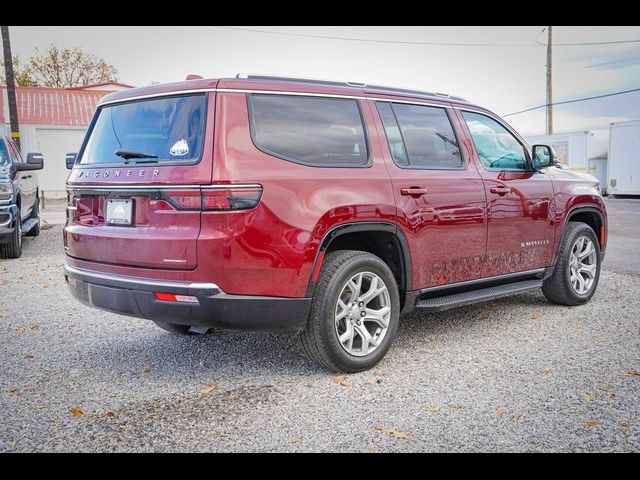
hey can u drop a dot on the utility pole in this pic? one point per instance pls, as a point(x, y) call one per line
point(11, 85)
point(549, 83)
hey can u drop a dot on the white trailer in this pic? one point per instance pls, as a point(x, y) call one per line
point(580, 151)
point(623, 177)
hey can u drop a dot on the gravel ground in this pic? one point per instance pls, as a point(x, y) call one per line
point(516, 374)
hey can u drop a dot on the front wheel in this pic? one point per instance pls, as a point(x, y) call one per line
point(13, 248)
point(577, 271)
point(354, 313)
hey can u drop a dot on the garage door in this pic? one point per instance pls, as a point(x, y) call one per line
point(54, 144)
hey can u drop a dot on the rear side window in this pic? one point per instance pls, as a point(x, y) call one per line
point(167, 129)
point(314, 131)
point(420, 136)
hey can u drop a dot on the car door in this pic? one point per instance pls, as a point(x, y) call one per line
point(439, 194)
point(520, 228)
point(27, 182)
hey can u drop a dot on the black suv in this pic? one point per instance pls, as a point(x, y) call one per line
point(19, 202)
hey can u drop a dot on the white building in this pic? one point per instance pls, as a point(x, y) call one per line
point(53, 122)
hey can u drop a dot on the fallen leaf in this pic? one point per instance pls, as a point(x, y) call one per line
point(13, 390)
point(109, 413)
point(590, 398)
point(146, 370)
point(535, 315)
point(341, 380)
point(76, 412)
point(499, 413)
point(211, 386)
point(129, 328)
point(624, 425)
point(394, 433)
point(28, 356)
point(380, 373)
point(546, 371)
point(295, 440)
point(630, 373)
point(35, 327)
point(612, 396)
point(518, 417)
point(21, 330)
point(591, 423)
point(432, 409)
point(457, 406)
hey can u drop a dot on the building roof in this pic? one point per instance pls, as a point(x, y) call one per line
point(106, 86)
point(52, 106)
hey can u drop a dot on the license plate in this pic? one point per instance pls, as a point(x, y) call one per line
point(119, 211)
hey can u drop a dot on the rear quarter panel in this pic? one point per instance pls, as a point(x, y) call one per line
point(271, 250)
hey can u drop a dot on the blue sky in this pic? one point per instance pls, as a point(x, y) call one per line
point(505, 79)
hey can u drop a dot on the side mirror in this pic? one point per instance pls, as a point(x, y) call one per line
point(71, 160)
point(543, 156)
point(35, 161)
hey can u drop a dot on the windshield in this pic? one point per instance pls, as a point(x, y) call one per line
point(4, 155)
point(149, 131)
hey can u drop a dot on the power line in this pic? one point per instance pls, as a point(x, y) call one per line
point(573, 101)
point(410, 42)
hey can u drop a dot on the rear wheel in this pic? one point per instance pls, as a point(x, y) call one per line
point(354, 314)
point(35, 230)
point(13, 249)
point(577, 271)
point(173, 327)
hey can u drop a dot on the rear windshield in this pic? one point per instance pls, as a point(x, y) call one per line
point(157, 130)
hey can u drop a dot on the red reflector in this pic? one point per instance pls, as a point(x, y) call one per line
point(165, 297)
point(172, 297)
point(318, 267)
point(602, 236)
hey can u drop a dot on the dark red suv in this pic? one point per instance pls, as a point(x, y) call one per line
point(325, 208)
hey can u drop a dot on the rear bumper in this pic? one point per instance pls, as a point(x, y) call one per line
point(8, 215)
point(215, 309)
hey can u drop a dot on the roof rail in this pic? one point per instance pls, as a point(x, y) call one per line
point(348, 84)
point(380, 88)
point(301, 80)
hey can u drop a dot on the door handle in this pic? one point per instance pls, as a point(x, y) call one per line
point(500, 190)
point(414, 192)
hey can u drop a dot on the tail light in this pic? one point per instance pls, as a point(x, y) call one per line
point(231, 198)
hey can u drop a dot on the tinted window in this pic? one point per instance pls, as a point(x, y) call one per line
point(171, 129)
point(4, 155)
point(396, 145)
point(497, 148)
point(309, 130)
point(15, 153)
point(427, 134)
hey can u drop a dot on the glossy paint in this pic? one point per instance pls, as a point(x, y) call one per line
point(271, 249)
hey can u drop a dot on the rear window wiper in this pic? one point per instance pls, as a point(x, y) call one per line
point(128, 154)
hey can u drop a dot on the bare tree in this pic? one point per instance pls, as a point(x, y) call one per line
point(64, 68)
point(21, 74)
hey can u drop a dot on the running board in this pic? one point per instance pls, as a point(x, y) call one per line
point(29, 224)
point(476, 296)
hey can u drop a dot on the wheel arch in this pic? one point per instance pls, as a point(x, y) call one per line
point(592, 216)
point(382, 239)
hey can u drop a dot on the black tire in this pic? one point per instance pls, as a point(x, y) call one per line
point(35, 213)
point(13, 249)
point(319, 339)
point(557, 288)
point(174, 328)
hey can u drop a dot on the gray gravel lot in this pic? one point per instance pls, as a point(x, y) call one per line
point(516, 374)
